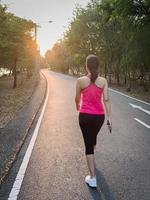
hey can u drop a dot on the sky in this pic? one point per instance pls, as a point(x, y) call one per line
point(41, 11)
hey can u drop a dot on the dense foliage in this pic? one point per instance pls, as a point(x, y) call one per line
point(17, 46)
point(118, 31)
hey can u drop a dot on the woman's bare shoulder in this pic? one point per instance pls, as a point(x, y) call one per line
point(82, 78)
point(102, 79)
point(83, 81)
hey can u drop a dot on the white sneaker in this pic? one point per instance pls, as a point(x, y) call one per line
point(91, 181)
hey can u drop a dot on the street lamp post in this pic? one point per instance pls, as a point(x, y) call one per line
point(37, 56)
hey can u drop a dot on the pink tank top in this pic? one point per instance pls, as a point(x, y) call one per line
point(91, 100)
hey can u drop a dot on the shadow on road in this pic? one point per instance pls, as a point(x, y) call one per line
point(95, 193)
point(102, 191)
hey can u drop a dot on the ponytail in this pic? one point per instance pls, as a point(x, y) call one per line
point(92, 63)
point(94, 75)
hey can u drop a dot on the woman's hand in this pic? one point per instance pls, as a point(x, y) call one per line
point(78, 95)
point(77, 107)
point(109, 124)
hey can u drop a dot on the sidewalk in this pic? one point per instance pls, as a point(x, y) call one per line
point(13, 135)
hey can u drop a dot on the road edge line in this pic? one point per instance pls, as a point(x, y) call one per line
point(25, 136)
point(129, 96)
point(20, 175)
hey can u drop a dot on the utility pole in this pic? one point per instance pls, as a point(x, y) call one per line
point(37, 56)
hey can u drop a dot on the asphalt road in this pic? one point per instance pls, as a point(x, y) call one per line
point(57, 166)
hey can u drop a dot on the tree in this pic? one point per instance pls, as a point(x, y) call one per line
point(118, 32)
point(17, 47)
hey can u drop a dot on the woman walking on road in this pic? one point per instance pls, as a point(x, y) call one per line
point(89, 92)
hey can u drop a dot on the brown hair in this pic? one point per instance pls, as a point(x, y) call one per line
point(92, 63)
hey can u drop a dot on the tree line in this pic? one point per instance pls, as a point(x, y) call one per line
point(17, 44)
point(117, 31)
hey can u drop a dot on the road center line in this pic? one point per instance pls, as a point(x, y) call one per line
point(144, 124)
point(20, 176)
point(140, 108)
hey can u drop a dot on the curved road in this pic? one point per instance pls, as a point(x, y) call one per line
point(57, 166)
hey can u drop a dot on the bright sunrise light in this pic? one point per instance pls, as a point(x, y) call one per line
point(60, 12)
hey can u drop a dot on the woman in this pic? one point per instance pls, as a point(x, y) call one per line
point(89, 92)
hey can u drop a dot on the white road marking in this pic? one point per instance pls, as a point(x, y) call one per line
point(19, 178)
point(140, 108)
point(144, 124)
point(129, 96)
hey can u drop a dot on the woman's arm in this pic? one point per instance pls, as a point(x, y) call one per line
point(78, 95)
point(106, 101)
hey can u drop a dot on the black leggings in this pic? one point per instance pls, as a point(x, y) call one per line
point(90, 125)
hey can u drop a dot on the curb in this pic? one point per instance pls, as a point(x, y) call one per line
point(19, 146)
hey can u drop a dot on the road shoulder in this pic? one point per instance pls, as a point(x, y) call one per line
point(14, 134)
